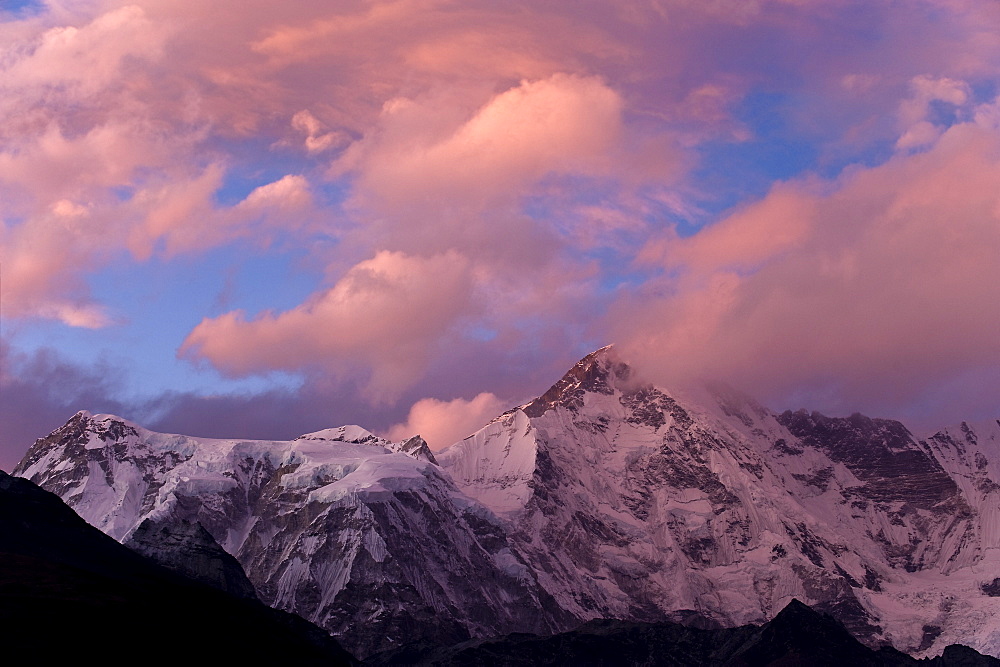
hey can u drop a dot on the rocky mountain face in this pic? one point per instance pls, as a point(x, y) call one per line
point(186, 547)
point(606, 497)
point(637, 503)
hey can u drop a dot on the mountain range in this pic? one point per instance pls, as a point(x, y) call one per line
point(605, 498)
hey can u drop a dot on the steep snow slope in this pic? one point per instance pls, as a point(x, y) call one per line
point(365, 537)
point(634, 503)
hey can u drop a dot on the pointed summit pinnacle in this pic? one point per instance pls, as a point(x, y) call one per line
point(599, 372)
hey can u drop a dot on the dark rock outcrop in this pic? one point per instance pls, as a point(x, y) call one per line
point(798, 635)
point(883, 454)
point(187, 548)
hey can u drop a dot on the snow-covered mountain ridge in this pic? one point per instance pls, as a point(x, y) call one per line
point(604, 497)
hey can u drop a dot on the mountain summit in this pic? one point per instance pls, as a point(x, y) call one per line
point(638, 502)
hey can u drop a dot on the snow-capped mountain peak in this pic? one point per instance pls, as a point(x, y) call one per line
point(350, 433)
point(606, 496)
point(703, 499)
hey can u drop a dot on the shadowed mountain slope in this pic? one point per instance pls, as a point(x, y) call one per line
point(68, 591)
point(797, 636)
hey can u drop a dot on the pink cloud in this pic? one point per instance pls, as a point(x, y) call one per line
point(441, 40)
point(95, 164)
point(52, 164)
point(562, 123)
point(318, 137)
point(386, 313)
point(746, 239)
point(175, 211)
point(891, 285)
point(81, 61)
point(137, 98)
point(442, 423)
point(44, 256)
point(40, 260)
point(918, 129)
